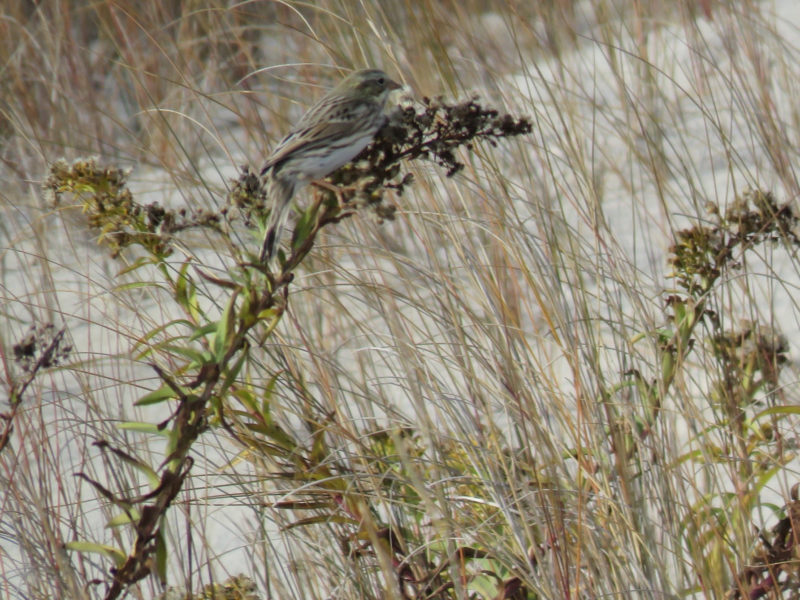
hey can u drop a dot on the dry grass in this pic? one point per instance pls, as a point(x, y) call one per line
point(496, 376)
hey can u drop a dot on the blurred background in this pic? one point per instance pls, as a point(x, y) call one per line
point(514, 345)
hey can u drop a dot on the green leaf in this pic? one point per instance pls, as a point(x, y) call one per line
point(321, 519)
point(154, 332)
point(161, 556)
point(304, 227)
point(196, 356)
point(280, 441)
point(124, 518)
point(273, 317)
point(135, 285)
point(269, 390)
point(140, 427)
point(140, 466)
point(203, 331)
point(152, 477)
point(160, 395)
point(115, 554)
point(137, 264)
point(226, 329)
point(778, 410)
point(232, 373)
point(186, 292)
point(246, 397)
point(765, 477)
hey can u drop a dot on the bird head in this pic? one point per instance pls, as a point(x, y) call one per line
point(368, 84)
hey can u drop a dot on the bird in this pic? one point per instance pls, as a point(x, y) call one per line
point(328, 136)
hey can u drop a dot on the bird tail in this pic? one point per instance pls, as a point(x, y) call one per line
point(279, 192)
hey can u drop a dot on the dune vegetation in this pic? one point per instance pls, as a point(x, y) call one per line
point(537, 341)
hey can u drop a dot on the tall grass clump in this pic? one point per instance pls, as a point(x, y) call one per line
point(536, 342)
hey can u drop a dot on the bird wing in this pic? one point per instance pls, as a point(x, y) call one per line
point(307, 138)
point(313, 129)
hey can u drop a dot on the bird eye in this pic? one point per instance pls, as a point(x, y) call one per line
point(381, 80)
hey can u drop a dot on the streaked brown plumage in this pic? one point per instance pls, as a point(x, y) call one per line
point(331, 134)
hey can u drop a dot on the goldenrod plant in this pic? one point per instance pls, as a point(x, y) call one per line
point(537, 341)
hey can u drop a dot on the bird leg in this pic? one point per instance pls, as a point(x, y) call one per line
point(334, 189)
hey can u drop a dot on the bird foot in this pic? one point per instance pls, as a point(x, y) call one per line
point(334, 189)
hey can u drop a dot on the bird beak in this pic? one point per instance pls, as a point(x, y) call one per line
point(393, 85)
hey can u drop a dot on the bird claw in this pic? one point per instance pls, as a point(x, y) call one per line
point(333, 189)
